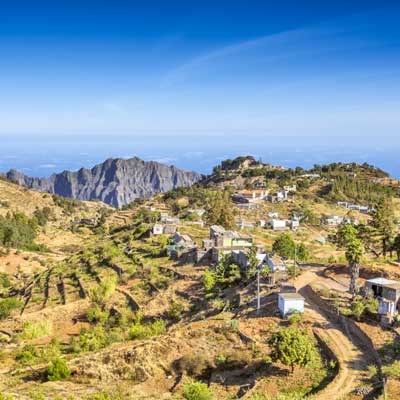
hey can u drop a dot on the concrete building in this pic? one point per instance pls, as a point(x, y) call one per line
point(158, 229)
point(290, 302)
point(278, 197)
point(278, 224)
point(387, 291)
point(333, 220)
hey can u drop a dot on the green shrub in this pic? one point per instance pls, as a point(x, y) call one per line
point(42, 216)
point(8, 305)
point(221, 359)
point(195, 390)
point(34, 330)
point(96, 315)
point(295, 318)
point(91, 339)
point(175, 310)
point(27, 354)
point(105, 396)
point(209, 281)
point(58, 370)
point(143, 331)
point(101, 293)
point(4, 280)
point(291, 347)
point(17, 230)
point(392, 370)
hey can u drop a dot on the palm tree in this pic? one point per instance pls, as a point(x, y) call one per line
point(347, 238)
point(353, 254)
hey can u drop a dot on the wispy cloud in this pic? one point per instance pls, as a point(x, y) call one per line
point(279, 39)
point(330, 36)
point(47, 166)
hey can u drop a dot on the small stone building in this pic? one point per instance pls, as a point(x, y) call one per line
point(290, 302)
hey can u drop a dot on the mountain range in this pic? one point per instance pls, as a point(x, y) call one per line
point(116, 181)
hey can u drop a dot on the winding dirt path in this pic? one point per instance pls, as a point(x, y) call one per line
point(352, 359)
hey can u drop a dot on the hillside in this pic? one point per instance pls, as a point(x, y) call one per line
point(88, 291)
point(116, 181)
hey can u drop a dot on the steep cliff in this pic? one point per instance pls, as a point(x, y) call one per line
point(115, 181)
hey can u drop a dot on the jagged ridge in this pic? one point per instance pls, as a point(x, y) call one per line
point(116, 181)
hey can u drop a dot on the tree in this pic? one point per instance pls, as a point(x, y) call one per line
point(302, 252)
point(347, 239)
point(383, 222)
point(220, 209)
point(252, 263)
point(209, 281)
point(284, 246)
point(396, 246)
point(292, 346)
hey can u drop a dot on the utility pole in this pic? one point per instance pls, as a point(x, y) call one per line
point(258, 291)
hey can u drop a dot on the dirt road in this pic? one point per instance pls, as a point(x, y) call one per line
point(352, 360)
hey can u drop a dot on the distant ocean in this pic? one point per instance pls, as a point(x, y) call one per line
point(42, 155)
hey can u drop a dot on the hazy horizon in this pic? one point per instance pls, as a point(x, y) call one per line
point(43, 155)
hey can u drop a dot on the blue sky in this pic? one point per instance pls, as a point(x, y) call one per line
point(269, 68)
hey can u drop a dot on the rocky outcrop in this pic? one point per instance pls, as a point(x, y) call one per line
point(116, 181)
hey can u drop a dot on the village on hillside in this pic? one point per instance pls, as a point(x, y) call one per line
point(259, 283)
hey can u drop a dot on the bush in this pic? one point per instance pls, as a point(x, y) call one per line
point(4, 280)
point(17, 230)
point(292, 346)
point(209, 281)
point(143, 331)
point(195, 390)
point(101, 293)
point(27, 354)
point(105, 396)
point(42, 216)
point(8, 305)
point(175, 310)
point(90, 340)
point(392, 370)
point(94, 314)
point(34, 330)
point(295, 318)
point(58, 370)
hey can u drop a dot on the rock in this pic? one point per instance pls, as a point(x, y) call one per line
point(116, 181)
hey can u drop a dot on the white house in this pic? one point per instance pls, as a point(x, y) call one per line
point(387, 291)
point(311, 176)
point(273, 214)
point(275, 263)
point(158, 229)
point(244, 224)
point(333, 220)
point(278, 224)
point(293, 224)
point(290, 302)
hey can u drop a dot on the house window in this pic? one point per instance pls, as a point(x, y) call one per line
point(377, 290)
